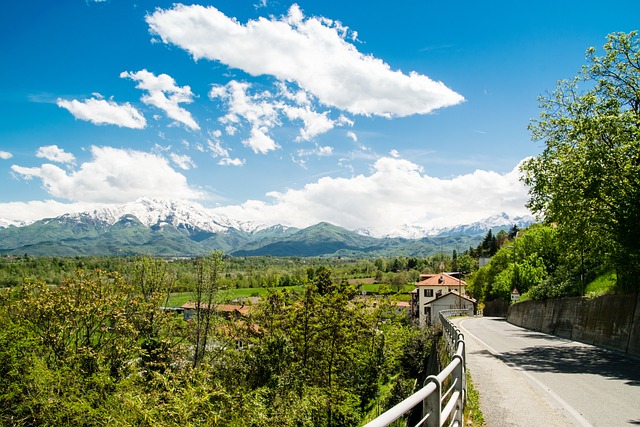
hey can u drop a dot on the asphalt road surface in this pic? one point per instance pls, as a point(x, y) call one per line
point(528, 378)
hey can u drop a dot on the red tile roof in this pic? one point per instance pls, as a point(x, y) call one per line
point(441, 279)
point(228, 308)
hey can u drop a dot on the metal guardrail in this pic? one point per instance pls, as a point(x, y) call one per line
point(439, 407)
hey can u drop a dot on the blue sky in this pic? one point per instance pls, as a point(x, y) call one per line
point(364, 114)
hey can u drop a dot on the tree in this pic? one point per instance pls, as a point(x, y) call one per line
point(489, 245)
point(207, 286)
point(587, 179)
point(513, 232)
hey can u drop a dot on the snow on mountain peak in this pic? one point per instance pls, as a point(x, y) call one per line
point(5, 223)
point(152, 212)
point(417, 232)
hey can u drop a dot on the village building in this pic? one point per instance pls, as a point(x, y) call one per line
point(228, 311)
point(437, 292)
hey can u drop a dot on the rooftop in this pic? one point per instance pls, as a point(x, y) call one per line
point(441, 279)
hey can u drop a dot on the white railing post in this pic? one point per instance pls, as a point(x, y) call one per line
point(460, 387)
point(431, 393)
point(431, 405)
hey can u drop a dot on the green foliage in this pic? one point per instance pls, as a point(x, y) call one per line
point(96, 350)
point(587, 180)
point(524, 263)
point(602, 284)
point(472, 412)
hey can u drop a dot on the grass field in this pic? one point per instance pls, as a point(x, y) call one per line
point(176, 299)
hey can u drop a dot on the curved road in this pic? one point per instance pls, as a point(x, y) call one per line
point(528, 378)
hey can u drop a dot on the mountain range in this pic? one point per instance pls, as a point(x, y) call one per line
point(179, 228)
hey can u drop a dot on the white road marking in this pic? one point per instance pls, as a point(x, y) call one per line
point(576, 415)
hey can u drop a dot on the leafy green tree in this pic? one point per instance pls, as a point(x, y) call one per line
point(209, 271)
point(156, 329)
point(587, 179)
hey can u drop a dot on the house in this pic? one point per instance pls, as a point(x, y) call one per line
point(226, 310)
point(229, 330)
point(436, 292)
point(450, 301)
point(402, 308)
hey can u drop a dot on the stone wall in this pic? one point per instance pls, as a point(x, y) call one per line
point(609, 321)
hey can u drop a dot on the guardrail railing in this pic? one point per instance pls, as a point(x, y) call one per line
point(443, 396)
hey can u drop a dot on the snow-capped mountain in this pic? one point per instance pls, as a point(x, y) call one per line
point(179, 213)
point(502, 220)
point(4, 223)
point(406, 231)
point(179, 228)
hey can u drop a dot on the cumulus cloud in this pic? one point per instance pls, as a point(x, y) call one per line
point(165, 94)
point(257, 110)
point(183, 161)
point(228, 161)
point(55, 154)
point(28, 212)
point(100, 112)
point(217, 150)
point(264, 110)
point(397, 192)
point(112, 176)
point(260, 142)
point(5, 155)
point(314, 123)
point(313, 52)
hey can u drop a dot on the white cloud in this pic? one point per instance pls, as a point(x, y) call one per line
point(228, 161)
point(113, 176)
point(320, 151)
point(352, 135)
point(183, 161)
point(35, 210)
point(314, 123)
point(5, 155)
point(259, 109)
point(55, 154)
point(260, 142)
point(217, 150)
point(163, 93)
point(312, 52)
point(345, 121)
point(101, 111)
point(263, 111)
point(397, 192)
point(325, 151)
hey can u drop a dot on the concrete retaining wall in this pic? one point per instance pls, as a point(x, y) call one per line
point(496, 308)
point(609, 321)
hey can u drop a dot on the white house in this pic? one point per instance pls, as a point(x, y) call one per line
point(437, 292)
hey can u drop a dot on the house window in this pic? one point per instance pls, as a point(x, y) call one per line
point(428, 293)
point(427, 310)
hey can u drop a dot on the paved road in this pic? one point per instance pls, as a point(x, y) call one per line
point(527, 378)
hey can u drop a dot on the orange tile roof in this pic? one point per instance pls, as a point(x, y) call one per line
point(441, 279)
point(242, 309)
point(402, 304)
